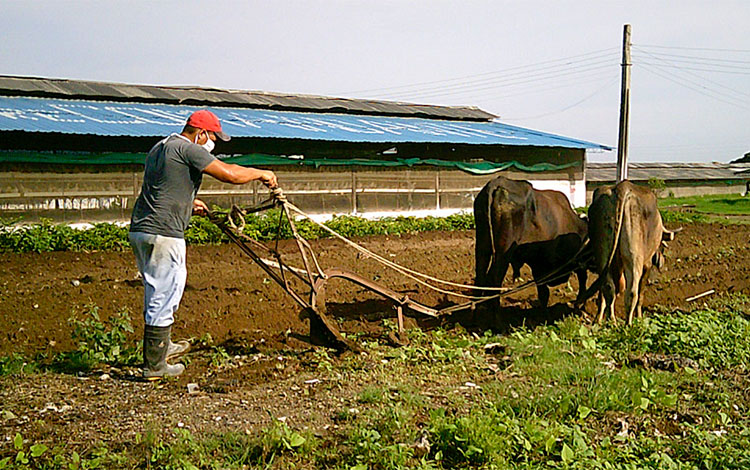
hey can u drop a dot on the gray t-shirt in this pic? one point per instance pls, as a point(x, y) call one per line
point(171, 180)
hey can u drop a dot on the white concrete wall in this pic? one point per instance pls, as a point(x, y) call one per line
point(575, 190)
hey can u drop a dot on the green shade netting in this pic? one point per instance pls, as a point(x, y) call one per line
point(474, 167)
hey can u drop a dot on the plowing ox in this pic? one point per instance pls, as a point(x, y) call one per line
point(516, 225)
point(626, 234)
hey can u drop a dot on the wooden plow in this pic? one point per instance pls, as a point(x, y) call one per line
point(323, 331)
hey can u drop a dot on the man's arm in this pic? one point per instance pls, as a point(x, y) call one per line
point(236, 174)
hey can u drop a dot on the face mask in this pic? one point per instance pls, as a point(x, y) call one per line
point(209, 145)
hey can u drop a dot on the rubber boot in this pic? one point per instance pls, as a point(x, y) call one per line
point(155, 346)
point(176, 349)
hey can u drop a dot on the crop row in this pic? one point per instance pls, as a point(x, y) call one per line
point(46, 236)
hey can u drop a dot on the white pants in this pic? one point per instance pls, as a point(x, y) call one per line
point(161, 261)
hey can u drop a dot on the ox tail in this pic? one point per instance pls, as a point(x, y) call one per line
point(597, 285)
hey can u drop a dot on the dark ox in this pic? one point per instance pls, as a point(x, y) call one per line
point(516, 225)
point(626, 237)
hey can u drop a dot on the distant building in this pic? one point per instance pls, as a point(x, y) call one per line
point(74, 150)
point(675, 179)
point(745, 159)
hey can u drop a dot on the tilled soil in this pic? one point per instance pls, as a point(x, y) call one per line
point(245, 312)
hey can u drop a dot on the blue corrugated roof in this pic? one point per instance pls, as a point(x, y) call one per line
point(137, 119)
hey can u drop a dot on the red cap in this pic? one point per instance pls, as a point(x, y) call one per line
point(205, 119)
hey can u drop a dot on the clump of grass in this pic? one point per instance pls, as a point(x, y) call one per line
point(16, 363)
point(563, 395)
point(101, 342)
point(712, 204)
point(713, 338)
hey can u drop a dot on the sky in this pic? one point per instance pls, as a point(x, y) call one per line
point(550, 65)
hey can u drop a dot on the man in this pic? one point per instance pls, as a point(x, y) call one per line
point(173, 173)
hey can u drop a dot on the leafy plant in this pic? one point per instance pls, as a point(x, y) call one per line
point(657, 185)
point(713, 338)
point(101, 343)
point(679, 217)
point(268, 226)
point(14, 364)
point(39, 456)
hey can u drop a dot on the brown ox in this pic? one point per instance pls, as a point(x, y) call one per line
point(516, 225)
point(626, 236)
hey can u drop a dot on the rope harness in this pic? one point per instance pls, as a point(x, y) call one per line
point(232, 224)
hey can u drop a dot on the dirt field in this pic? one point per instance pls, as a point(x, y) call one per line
point(233, 300)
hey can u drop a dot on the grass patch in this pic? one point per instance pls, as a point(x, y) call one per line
point(15, 363)
point(564, 395)
point(716, 337)
point(726, 204)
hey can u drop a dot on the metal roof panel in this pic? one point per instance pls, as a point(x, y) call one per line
point(103, 91)
point(143, 119)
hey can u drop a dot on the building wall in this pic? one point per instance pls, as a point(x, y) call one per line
point(87, 197)
point(686, 188)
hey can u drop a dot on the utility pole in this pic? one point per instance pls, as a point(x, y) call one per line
point(622, 144)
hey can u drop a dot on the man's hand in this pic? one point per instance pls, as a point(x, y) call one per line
point(200, 207)
point(269, 179)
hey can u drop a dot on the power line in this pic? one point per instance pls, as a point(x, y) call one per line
point(508, 79)
point(694, 59)
point(702, 78)
point(702, 89)
point(534, 89)
point(741, 51)
point(698, 69)
point(529, 67)
point(552, 75)
point(573, 105)
point(656, 71)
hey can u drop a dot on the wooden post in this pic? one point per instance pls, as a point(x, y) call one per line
point(136, 187)
point(409, 192)
point(622, 144)
point(437, 189)
point(354, 192)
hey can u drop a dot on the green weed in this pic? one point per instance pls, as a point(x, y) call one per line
point(17, 364)
point(99, 342)
point(227, 450)
point(657, 186)
point(371, 395)
point(712, 204)
point(27, 456)
point(567, 395)
point(713, 338)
